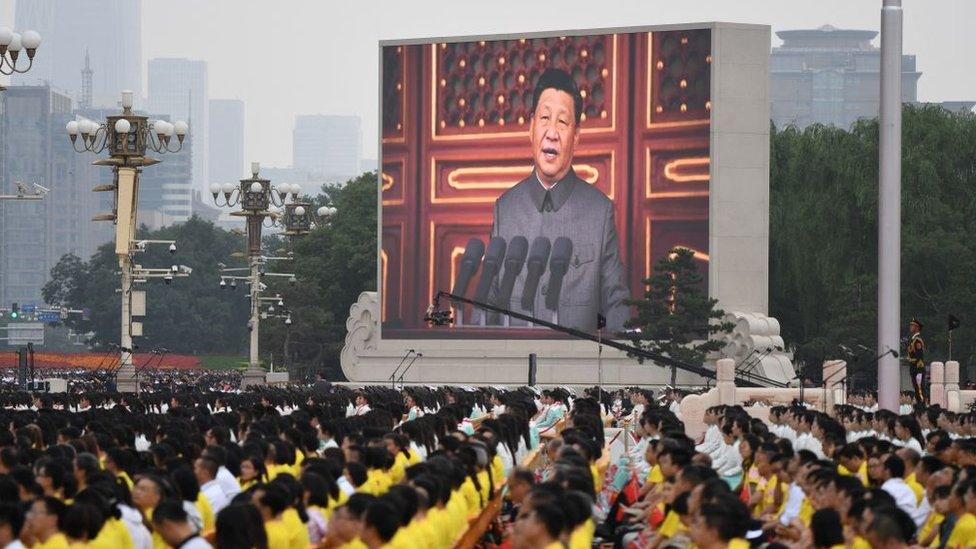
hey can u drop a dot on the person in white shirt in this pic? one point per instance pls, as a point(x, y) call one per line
point(11, 522)
point(889, 471)
point(171, 522)
point(205, 470)
point(362, 405)
point(729, 460)
point(908, 434)
point(225, 479)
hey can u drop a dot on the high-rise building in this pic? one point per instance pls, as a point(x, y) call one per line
point(178, 88)
point(830, 76)
point(109, 31)
point(327, 145)
point(226, 129)
point(35, 235)
point(166, 189)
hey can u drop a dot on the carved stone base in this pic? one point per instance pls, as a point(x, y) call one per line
point(253, 377)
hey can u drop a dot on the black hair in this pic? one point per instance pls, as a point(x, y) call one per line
point(171, 510)
point(560, 80)
point(551, 516)
point(895, 466)
point(827, 528)
point(12, 515)
point(382, 516)
point(240, 525)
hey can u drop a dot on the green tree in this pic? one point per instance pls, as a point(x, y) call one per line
point(334, 263)
point(190, 315)
point(676, 318)
point(824, 232)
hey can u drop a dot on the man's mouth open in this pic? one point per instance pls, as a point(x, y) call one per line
point(549, 153)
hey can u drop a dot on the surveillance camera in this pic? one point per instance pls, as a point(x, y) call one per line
point(141, 245)
point(174, 269)
point(186, 270)
point(172, 248)
point(264, 316)
point(40, 189)
point(233, 284)
point(168, 279)
point(288, 321)
point(223, 284)
point(292, 280)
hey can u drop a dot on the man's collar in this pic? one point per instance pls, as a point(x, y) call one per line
point(558, 193)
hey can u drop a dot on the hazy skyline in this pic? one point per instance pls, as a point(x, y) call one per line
point(321, 56)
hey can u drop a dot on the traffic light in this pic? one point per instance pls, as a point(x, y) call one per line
point(14, 310)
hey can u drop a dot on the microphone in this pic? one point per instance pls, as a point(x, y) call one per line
point(518, 248)
point(536, 265)
point(562, 250)
point(490, 267)
point(469, 264)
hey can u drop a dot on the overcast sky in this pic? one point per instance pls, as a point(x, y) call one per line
point(294, 57)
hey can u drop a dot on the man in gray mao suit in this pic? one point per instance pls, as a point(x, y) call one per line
point(554, 202)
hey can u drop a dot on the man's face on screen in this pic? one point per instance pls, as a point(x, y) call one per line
point(554, 134)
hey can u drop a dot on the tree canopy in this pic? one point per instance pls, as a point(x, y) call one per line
point(824, 233)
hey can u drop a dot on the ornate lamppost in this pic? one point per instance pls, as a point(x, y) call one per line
point(127, 137)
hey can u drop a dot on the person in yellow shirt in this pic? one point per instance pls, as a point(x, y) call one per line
point(272, 501)
point(240, 525)
point(538, 526)
point(346, 526)
point(398, 446)
point(112, 533)
point(43, 518)
point(928, 534)
point(959, 527)
point(826, 529)
point(253, 472)
point(852, 462)
point(381, 523)
point(721, 523)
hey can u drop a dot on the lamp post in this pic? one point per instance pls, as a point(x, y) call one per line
point(256, 196)
point(11, 44)
point(127, 137)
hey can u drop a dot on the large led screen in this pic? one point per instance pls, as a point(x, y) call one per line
point(543, 175)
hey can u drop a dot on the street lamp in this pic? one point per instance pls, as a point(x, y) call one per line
point(255, 196)
point(127, 137)
point(299, 220)
point(11, 44)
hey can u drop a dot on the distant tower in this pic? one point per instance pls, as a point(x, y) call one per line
point(86, 83)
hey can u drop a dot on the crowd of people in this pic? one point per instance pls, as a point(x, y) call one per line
point(328, 466)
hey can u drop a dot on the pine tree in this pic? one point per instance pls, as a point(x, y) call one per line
point(676, 318)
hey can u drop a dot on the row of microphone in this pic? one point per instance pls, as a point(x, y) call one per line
point(505, 261)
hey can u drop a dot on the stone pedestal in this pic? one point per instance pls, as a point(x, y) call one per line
point(952, 386)
point(253, 377)
point(835, 383)
point(937, 389)
point(725, 376)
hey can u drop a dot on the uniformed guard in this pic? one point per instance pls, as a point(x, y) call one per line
point(916, 359)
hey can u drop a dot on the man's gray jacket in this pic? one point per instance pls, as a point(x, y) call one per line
point(576, 210)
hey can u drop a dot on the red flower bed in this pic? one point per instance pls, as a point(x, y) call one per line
point(96, 360)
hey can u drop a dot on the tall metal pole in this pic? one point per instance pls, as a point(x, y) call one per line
point(254, 375)
point(254, 364)
point(889, 206)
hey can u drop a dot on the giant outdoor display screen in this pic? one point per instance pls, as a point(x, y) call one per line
point(540, 174)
